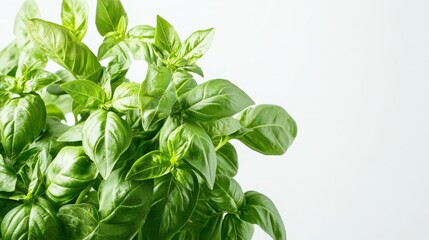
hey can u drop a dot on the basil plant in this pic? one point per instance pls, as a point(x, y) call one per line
point(87, 153)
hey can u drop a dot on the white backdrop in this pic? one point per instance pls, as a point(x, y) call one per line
point(353, 74)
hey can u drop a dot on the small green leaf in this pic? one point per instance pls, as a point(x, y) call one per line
point(62, 46)
point(152, 165)
point(143, 33)
point(214, 99)
point(85, 93)
point(74, 16)
point(271, 129)
point(260, 210)
point(105, 137)
point(213, 229)
point(222, 127)
point(79, 220)
point(8, 178)
point(108, 16)
point(227, 160)
point(9, 58)
point(235, 229)
point(74, 134)
point(126, 97)
point(196, 45)
point(39, 79)
point(166, 37)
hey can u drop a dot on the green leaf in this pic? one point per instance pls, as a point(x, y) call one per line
point(69, 174)
point(200, 154)
point(196, 45)
point(157, 96)
point(21, 122)
point(105, 137)
point(124, 206)
point(272, 129)
point(126, 97)
point(166, 37)
point(74, 16)
point(108, 16)
point(34, 220)
point(172, 207)
point(214, 99)
point(74, 134)
point(9, 58)
point(79, 220)
point(85, 93)
point(30, 59)
point(8, 178)
point(183, 82)
point(227, 195)
point(227, 160)
point(39, 79)
point(213, 229)
point(152, 165)
point(143, 33)
point(29, 10)
point(260, 210)
point(107, 47)
point(60, 45)
point(222, 127)
point(235, 229)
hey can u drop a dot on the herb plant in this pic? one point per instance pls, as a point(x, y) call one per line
point(150, 160)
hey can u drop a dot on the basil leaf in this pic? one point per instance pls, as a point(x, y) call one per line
point(106, 48)
point(201, 154)
point(105, 137)
point(124, 206)
point(9, 58)
point(227, 160)
point(60, 45)
point(144, 33)
point(35, 220)
point(196, 45)
point(86, 93)
point(213, 229)
point(222, 127)
point(8, 178)
point(74, 16)
point(235, 229)
point(69, 174)
point(166, 37)
point(157, 96)
point(183, 82)
point(30, 58)
point(74, 134)
point(227, 195)
point(152, 165)
point(260, 210)
point(126, 97)
point(79, 220)
point(272, 129)
point(21, 122)
point(214, 99)
point(173, 206)
point(28, 10)
point(108, 16)
point(39, 79)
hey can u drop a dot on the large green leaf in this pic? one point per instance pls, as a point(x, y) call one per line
point(227, 160)
point(29, 10)
point(74, 16)
point(21, 122)
point(108, 16)
point(173, 206)
point(235, 229)
point(260, 210)
point(196, 45)
point(33, 220)
point(124, 206)
point(198, 150)
point(79, 220)
point(227, 195)
point(214, 99)
point(166, 37)
point(271, 130)
point(105, 137)
point(157, 95)
point(60, 44)
point(69, 174)
point(152, 165)
point(9, 58)
point(86, 93)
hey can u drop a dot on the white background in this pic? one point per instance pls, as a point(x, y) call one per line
point(353, 74)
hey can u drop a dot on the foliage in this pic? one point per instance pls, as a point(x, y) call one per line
point(86, 153)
